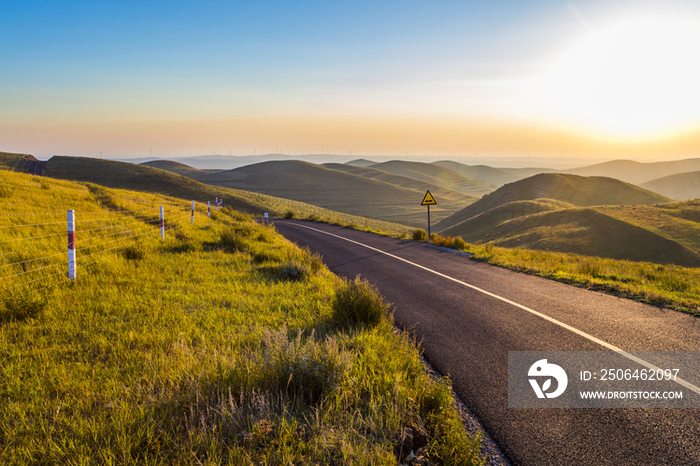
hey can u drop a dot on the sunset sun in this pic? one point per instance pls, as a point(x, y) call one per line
point(635, 79)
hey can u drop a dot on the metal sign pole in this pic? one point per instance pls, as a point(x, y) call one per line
point(428, 200)
point(428, 222)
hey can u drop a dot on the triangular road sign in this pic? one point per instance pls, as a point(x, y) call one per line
point(428, 199)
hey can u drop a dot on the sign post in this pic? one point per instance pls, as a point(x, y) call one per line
point(428, 200)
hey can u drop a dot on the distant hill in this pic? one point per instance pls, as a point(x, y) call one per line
point(636, 172)
point(173, 167)
point(436, 175)
point(681, 186)
point(135, 177)
point(521, 173)
point(360, 163)
point(483, 173)
point(442, 194)
point(332, 189)
point(154, 180)
point(572, 189)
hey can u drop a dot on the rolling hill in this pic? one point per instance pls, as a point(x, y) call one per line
point(332, 189)
point(148, 179)
point(361, 163)
point(443, 194)
point(436, 175)
point(173, 167)
point(591, 216)
point(481, 226)
point(572, 189)
point(13, 161)
point(490, 175)
point(637, 172)
point(587, 231)
point(681, 186)
point(135, 177)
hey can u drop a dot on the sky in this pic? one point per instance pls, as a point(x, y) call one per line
point(598, 79)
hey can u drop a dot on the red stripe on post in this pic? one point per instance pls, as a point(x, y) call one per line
point(71, 240)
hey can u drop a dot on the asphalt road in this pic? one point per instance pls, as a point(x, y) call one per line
point(466, 333)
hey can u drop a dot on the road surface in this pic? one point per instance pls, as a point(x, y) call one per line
point(469, 314)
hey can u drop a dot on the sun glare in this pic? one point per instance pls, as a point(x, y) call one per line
point(633, 80)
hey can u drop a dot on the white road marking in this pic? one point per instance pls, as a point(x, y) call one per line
point(583, 334)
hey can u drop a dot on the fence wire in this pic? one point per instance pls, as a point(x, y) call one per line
point(40, 250)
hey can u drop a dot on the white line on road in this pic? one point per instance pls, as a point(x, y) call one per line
point(585, 335)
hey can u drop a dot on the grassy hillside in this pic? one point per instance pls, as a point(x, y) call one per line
point(572, 189)
point(173, 167)
point(480, 227)
point(12, 161)
point(455, 199)
point(681, 186)
point(221, 344)
point(590, 232)
point(678, 221)
point(361, 163)
point(148, 179)
point(483, 173)
point(636, 172)
point(331, 189)
point(436, 175)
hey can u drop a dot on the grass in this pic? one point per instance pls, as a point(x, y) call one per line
point(188, 350)
point(669, 286)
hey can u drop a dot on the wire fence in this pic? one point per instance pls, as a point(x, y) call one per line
point(39, 253)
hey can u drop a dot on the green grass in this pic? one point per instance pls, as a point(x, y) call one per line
point(663, 234)
point(197, 349)
point(669, 286)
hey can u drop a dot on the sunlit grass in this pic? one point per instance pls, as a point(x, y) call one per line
point(216, 345)
point(669, 286)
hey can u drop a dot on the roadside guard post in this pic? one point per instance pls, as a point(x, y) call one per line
point(266, 217)
point(192, 213)
point(162, 224)
point(71, 245)
point(428, 200)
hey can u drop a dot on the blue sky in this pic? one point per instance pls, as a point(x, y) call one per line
point(80, 68)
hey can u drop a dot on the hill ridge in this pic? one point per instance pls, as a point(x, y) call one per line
point(573, 189)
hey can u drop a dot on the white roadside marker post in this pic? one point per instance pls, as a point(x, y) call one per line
point(71, 245)
point(162, 224)
point(192, 222)
point(209, 208)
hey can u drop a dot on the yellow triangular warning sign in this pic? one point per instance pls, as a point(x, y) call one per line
point(428, 199)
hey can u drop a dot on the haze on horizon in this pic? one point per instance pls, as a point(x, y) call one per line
point(598, 79)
